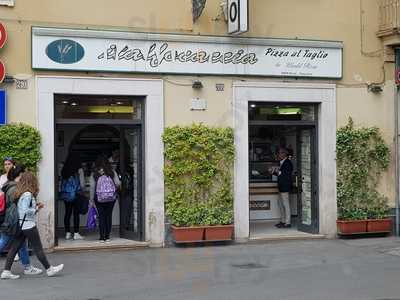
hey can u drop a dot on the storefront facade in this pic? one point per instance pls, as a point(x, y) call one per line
point(324, 62)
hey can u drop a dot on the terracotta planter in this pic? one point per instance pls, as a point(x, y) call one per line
point(351, 227)
point(187, 234)
point(219, 233)
point(381, 225)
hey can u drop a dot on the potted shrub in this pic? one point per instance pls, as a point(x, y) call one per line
point(198, 180)
point(186, 220)
point(378, 220)
point(218, 223)
point(362, 155)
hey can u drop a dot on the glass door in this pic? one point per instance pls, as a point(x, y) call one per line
point(306, 180)
point(131, 204)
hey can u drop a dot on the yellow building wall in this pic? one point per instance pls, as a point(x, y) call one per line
point(355, 23)
point(179, 93)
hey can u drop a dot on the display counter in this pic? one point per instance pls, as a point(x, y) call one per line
point(264, 198)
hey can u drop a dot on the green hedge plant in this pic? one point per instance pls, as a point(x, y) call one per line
point(362, 156)
point(22, 143)
point(198, 175)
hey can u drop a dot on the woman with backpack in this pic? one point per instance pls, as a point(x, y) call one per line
point(72, 184)
point(104, 185)
point(9, 225)
point(26, 191)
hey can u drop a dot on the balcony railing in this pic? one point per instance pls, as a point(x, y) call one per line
point(389, 11)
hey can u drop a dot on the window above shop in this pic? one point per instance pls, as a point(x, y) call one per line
point(98, 107)
point(388, 17)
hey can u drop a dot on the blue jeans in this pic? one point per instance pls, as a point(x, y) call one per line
point(22, 252)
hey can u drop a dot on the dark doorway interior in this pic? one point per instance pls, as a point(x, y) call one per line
point(96, 126)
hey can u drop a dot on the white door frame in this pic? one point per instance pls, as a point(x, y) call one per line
point(322, 94)
point(152, 90)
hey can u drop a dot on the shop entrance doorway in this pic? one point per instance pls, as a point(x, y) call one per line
point(89, 127)
point(271, 129)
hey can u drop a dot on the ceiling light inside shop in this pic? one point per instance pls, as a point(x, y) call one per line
point(289, 111)
point(253, 106)
point(108, 109)
point(65, 102)
point(74, 104)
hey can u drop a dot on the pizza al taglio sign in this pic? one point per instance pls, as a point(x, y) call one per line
point(104, 51)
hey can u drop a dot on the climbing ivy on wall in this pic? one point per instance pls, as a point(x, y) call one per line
point(198, 175)
point(362, 156)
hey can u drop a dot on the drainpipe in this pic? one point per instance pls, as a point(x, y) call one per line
point(396, 109)
point(396, 130)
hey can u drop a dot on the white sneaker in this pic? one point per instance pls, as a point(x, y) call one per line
point(31, 270)
point(8, 275)
point(16, 258)
point(108, 241)
point(53, 270)
point(68, 236)
point(77, 236)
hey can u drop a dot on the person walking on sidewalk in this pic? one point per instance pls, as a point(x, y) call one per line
point(26, 192)
point(284, 174)
point(8, 164)
point(9, 227)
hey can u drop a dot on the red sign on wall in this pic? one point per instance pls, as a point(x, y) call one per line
point(3, 35)
point(3, 39)
point(2, 71)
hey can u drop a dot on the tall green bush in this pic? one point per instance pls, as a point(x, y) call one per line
point(22, 143)
point(362, 156)
point(198, 175)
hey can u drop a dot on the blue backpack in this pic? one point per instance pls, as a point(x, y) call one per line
point(69, 189)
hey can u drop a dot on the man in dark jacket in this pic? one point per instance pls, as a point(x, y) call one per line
point(284, 174)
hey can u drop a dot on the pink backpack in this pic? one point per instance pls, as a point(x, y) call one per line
point(3, 206)
point(105, 189)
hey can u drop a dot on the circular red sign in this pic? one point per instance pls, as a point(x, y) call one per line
point(3, 35)
point(2, 71)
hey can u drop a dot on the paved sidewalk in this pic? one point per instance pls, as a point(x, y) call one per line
point(319, 269)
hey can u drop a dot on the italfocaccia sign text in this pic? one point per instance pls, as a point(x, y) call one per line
point(139, 53)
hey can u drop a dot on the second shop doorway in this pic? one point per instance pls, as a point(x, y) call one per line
point(272, 128)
